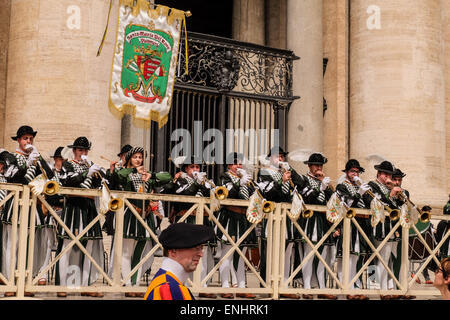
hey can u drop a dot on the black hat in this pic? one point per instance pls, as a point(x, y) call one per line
point(132, 151)
point(7, 158)
point(81, 143)
point(234, 158)
point(124, 149)
point(276, 150)
point(398, 173)
point(187, 161)
point(316, 158)
point(385, 166)
point(185, 235)
point(353, 163)
point(58, 153)
point(23, 130)
point(426, 208)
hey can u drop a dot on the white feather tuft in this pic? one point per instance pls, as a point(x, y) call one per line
point(300, 155)
point(178, 161)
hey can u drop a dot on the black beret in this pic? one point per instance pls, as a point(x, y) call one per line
point(185, 235)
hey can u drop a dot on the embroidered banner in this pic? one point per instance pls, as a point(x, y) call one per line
point(144, 62)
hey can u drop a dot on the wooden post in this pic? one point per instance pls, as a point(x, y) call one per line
point(118, 246)
point(23, 233)
point(346, 253)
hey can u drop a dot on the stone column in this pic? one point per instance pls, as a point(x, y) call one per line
point(276, 23)
point(248, 21)
point(397, 93)
point(446, 31)
point(56, 83)
point(304, 38)
point(335, 49)
point(4, 39)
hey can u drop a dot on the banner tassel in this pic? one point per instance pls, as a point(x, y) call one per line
point(106, 29)
point(185, 41)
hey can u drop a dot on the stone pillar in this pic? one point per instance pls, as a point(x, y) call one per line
point(4, 39)
point(335, 49)
point(397, 93)
point(304, 38)
point(276, 23)
point(446, 31)
point(248, 21)
point(56, 83)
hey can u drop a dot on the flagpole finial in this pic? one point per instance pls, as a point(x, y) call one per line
point(187, 14)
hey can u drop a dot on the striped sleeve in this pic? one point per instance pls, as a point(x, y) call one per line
point(31, 173)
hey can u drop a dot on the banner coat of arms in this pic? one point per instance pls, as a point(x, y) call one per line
point(144, 61)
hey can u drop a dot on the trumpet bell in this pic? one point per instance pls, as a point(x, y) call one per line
point(268, 206)
point(350, 213)
point(308, 213)
point(394, 214)
point(115, 204)
point(425, 216)
point(221, 193)
point(51, 188)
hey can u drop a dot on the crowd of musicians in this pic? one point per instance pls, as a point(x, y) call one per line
point(276, 181)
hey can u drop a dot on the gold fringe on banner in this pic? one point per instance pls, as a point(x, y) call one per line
point(99, 51)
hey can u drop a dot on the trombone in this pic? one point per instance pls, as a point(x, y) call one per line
point(394, 214)
point(424, 216)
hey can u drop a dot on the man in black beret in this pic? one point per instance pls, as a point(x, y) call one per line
point(183, 249)
point(383, 188)
point(191, 181)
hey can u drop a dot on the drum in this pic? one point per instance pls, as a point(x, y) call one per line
point(417, 251)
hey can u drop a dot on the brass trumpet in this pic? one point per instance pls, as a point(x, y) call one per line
point(424, 216)
point(394, 214)
point(114, 204)
point(306, 213)
point(268, 206)
point(51, 188)
point(220, 192)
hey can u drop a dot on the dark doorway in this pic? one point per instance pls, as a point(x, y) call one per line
point(208, 16)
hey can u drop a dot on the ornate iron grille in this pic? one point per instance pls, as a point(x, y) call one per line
point(230, 85)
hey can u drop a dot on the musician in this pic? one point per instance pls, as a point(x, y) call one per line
point(77, 213)
point(182, 255)
point(108, 225)
point(383, 188)
point(274, 182)
point(190, 181)
point(317, 190)
point(56, 202)
point(234, 221)
point(351, 192)
point(137, 241)
point(441, 230)
point(28, 165)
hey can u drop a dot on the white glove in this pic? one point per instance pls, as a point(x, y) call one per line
point(34, 156)
point(285, 165)
point(325, 183)
point(84, 158)
point(94, 168)
point(11, 171)
point(241, 172)
point(199, 176)
point(357, 180)
point(29, 148)
point(245, 179)
point(363, 189)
